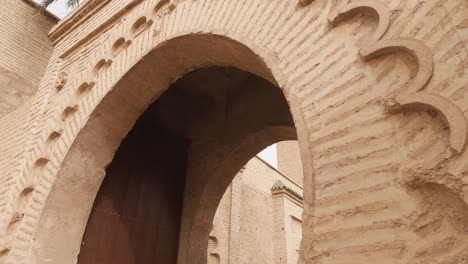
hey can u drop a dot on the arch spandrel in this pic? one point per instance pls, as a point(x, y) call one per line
point(339, 101)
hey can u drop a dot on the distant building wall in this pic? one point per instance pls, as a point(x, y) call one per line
point(289, 160)
point(24, 51)
point(254, 224)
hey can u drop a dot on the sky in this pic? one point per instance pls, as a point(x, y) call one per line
point(60, 9)
point(269, 155)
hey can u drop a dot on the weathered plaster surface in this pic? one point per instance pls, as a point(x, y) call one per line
point(379, 102)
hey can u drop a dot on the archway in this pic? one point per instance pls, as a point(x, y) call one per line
point(258, 219)
point(368, 150)
point(94, 148)
point(210, 117)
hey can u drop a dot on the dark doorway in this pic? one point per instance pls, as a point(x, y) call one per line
point(136, 216)
point(184, 135)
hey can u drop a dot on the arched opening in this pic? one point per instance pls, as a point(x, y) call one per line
point(259, 217)
point(196, 136)
point(223, 105)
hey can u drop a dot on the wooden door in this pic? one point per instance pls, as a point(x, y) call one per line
point(137, 213)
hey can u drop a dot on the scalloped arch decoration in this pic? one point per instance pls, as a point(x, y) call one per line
point(425, 65)
point(380, 9)
point(420, 52)
point(375, 48)
point(452, 114)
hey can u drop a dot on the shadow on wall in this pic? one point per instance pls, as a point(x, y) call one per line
point(136, 217)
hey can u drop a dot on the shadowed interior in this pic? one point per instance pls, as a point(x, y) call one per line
point(184, 141)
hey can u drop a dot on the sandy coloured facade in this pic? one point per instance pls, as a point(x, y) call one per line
point(237, 236)
point(259, 217)
point(25, 50)
point(374, 91)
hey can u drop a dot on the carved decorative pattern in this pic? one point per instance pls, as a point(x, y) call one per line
point(120, 45)
point(159, 6)
point(21, 203)
point(380, 9)
point(305, 2)
point(61, 81)
point(119, 40)
point(213, 247)
point(420, 52)
point(453, 115)
point(81, 14)
point(84, 88)
point(85, 10)
point(141, 25)
point(280, 187)
point(374, 47)
point(123, 36)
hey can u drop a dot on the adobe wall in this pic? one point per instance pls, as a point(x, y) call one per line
point(24, 51)
point(379, 100)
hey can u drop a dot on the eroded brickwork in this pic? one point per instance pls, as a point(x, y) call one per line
point(379, 107)
point(25, 51)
